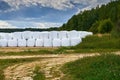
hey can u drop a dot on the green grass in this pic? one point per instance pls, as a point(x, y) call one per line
point(104, 67)
point(27, 52)
point(38, 74)
point(5, 63)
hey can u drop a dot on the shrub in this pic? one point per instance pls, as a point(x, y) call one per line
point(94, 27)
point(116, 31)
point(105, 26)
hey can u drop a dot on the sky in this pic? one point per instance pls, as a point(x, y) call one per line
point(41, 13)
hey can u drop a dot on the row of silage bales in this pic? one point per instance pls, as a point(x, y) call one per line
point(46, 39)
point(38, 42)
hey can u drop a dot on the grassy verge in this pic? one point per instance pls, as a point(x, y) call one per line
point(27, 52)
point(104, 67)
point(6, 63)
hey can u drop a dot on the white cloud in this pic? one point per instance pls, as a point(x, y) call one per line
point(46, 25)
point(31, 24)
point(56, 4)
point(4, 24)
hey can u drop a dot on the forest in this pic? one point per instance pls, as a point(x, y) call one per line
point(102, 19)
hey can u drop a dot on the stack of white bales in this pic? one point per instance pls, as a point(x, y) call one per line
point(42, 39)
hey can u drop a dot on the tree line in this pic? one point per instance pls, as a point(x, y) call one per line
point(102, 19)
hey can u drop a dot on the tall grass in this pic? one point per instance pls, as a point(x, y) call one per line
point(104, 67)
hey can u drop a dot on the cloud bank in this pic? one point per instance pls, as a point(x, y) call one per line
point(56, 4)
point(4, 24)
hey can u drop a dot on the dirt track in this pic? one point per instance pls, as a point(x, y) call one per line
point(49, 66)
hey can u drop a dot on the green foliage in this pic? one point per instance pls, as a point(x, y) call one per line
point(27, 29)
point(94, 27)
point(116, 31)
point(105, 26)
point(103, 67)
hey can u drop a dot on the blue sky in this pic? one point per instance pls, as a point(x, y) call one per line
point(41, 13)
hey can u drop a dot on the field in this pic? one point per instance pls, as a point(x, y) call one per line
point(96, 55)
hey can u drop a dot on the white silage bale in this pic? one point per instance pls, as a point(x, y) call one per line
point(36, 35)
point(22, 43)
point(26, 35)
point(45, 35)
point(63, 34)
point(39, 43)
point(47, 43)
point(65, 42)
point(10, 36)
point(75, 41)
point(82, 34)
point(73, 34)
point(56, 42)
point(6, 36)
point(3, 42)
point(17, 35)
point(53, 34)
point(89, 33)
point(12, 43)
point(31, 42)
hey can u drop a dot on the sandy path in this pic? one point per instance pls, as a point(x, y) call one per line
point(49, 66)
point(45, 56)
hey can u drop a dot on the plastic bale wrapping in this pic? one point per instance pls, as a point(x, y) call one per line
point(53, 34)
point(17, 35)
point(10, 36)
point(35, 35)
point(63, 34)
point(39, 43)
point(47, 43)
point(31, 42)
point(5, 36)
point(26, 35)
point(65, 42)
point(73, 34)
point(22, 43)
point(56, 42)
point(45, 35)
point(75, 41)
point(3, 42)
point(82, 34)
point(12, 43)
point(89, 33)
